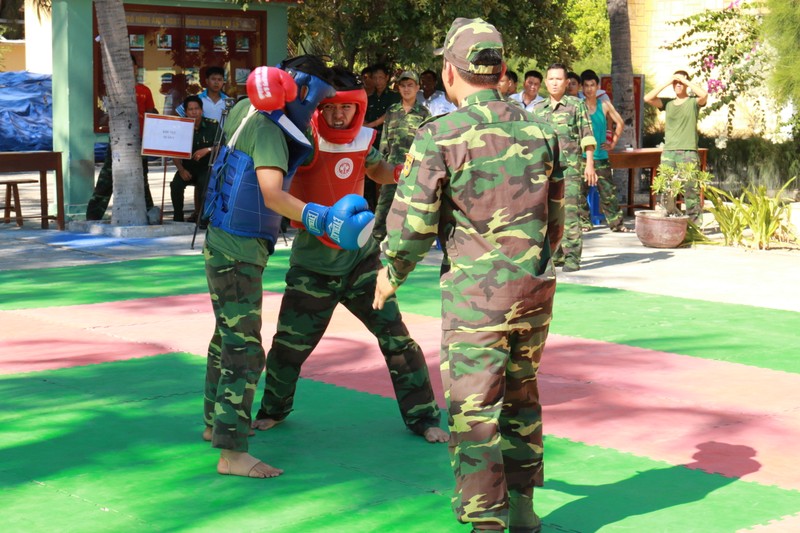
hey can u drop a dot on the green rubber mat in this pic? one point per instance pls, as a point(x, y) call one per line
point(742, 334)
point(116, 447)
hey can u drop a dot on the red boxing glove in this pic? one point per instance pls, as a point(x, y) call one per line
point(269, 88)
point(398, 170)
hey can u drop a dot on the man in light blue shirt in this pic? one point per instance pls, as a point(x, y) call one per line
point(435, 101)
point(530, 91)
point(212, 96)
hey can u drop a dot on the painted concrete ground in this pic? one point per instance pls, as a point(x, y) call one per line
point(661, 414)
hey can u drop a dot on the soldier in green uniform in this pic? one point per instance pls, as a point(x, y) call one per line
point(485, 179)
point(378, 101)
point(246, 198)
point(322, 275)
point(680, 129)
point(401, 124)
point(568, 117)
point(193, 171)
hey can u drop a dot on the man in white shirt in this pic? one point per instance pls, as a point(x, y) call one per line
point(212, 96)
point(530, 90)
point(435, 101)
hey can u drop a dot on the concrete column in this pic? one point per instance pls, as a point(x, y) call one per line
point(73, 106)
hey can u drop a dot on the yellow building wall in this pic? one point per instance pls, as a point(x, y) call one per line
point(12, 56)
point(650, 30)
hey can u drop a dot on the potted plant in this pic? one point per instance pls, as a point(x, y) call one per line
point(666, 226)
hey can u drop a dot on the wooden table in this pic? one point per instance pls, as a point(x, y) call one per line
point(41, 162)
point(643, 158)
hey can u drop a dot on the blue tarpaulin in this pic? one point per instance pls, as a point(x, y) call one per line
point(26, 111)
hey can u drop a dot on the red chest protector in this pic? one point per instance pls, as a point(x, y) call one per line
point(335, 171)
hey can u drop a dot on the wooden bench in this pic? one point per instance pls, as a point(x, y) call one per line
point(41, 162)
point(12, 199)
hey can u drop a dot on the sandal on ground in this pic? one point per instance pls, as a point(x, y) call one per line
point(621, 229)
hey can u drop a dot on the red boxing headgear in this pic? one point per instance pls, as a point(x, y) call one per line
point(357, 97)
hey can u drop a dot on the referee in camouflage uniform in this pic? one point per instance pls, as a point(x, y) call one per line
point(482, 179)
point(570, 120)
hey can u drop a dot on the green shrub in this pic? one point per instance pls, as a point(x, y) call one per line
point(753, 162)
point(728, 215)
point(767, 217)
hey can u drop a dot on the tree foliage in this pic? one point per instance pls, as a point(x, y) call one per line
point(782, 30)
point(590, 18)
point(405, 32)
point(728, 53)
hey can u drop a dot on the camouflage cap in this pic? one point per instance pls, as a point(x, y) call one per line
point(408, 75)
point(468, 37)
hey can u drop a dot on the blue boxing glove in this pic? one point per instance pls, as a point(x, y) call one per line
point(348, 223)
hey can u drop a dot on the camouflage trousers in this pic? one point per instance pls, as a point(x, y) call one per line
point(382, 207)
point(306, 310)
point(609, 199)
point(235, 354)
point(571, 248)
point(691, 194)
point(104, 188)
point(495, 418)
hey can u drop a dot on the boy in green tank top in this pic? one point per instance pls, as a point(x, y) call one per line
point(603, 114)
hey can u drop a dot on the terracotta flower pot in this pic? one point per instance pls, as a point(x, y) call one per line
point(658, 231)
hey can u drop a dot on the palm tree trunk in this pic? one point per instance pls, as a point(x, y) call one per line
point(622, 68)
point(129, 205)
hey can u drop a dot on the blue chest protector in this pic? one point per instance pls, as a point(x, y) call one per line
point(234, 202)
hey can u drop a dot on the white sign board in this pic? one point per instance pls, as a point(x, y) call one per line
point(167, 136)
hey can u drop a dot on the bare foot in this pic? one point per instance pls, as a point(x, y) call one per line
point(263, 424)
point(434, 434)
point(243, 464)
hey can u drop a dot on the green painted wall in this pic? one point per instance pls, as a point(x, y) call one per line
point(73, 126)
point(73, 105)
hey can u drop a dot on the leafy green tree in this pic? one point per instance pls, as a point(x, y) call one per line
point(405, 32)
point(782, 30)
point(590, 37)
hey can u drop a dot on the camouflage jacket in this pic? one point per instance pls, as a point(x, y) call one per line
point(204, 137)
point(399, 129)
point(481, 179)
point(570, 120)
